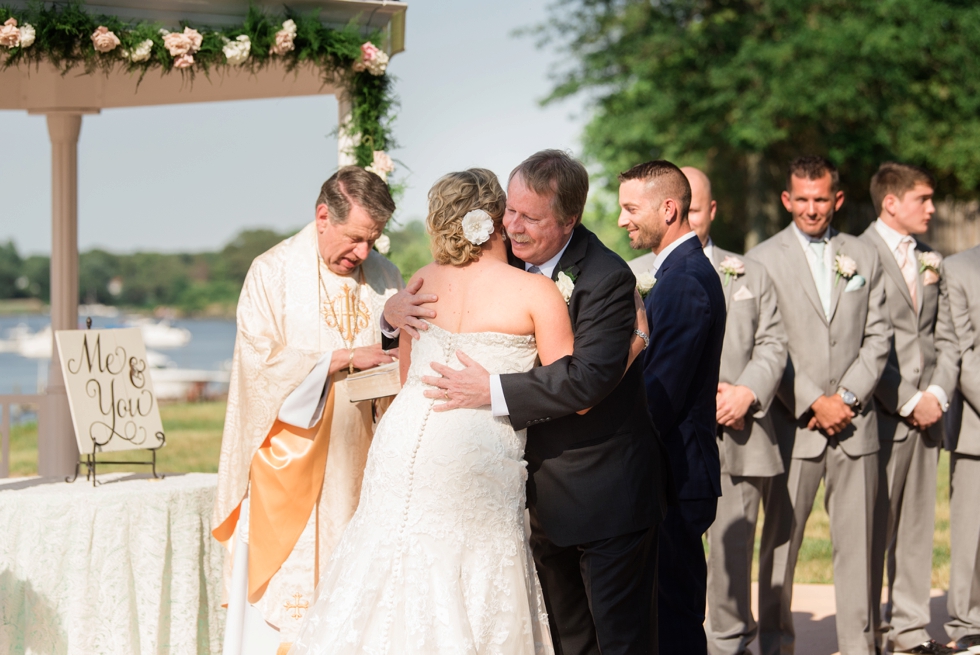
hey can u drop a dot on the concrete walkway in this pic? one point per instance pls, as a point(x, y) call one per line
point(814, 618)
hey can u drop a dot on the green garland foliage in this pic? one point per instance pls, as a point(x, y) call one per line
point(64, 38)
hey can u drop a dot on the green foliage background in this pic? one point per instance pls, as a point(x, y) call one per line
point(192, 283)
point(740, 87)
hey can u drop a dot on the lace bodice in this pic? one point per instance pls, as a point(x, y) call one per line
point(436, 558)
point(495, 351)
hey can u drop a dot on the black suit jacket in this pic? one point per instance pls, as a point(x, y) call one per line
point(686, 311)
point(601, 474)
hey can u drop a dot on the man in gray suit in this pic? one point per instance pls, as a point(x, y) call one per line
point(753, 358)
point(913, 393)
point(963, 441)
point(831, 296)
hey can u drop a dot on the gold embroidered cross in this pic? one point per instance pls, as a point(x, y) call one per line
point(297, 606)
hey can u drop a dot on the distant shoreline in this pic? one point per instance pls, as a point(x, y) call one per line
point(24, 306)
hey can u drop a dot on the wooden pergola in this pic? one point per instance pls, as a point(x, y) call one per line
point(64, 98)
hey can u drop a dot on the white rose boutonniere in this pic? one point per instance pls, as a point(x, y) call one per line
point(644, 284)
point(383, 244)
point(566, 284)
point(844, 267)
point(477, 226)
point(929, 263)
point(732, 267)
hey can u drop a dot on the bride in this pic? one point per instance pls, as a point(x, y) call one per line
point(436, 559)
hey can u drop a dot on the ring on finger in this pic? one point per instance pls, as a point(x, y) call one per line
point(446, 394)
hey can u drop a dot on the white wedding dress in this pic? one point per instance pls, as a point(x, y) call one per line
point(436, 558)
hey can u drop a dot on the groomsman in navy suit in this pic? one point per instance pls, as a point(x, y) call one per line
point(686, 313)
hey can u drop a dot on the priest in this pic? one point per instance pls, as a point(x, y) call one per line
point(294, 445)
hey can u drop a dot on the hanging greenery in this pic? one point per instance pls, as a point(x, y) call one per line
point(69, 37)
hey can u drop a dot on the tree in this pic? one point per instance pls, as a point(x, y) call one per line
point(740, 87)
point(10, 272)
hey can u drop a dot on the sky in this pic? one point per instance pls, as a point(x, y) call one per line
point(187, 178)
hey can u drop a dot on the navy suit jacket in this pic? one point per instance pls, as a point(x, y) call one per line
point(686, 311)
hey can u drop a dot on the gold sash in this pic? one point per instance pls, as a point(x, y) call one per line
point(286, 476)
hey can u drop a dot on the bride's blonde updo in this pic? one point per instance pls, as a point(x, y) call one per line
point(450, 199)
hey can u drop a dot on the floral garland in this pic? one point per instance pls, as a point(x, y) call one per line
point(68, 37)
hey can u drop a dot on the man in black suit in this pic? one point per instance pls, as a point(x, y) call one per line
point(596, 485)
point(686, 314)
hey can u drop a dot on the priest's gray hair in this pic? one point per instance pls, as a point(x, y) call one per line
point(352, 185)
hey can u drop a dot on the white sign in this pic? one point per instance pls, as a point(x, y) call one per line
point(109, 390)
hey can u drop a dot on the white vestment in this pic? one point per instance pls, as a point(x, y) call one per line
point(292, 314)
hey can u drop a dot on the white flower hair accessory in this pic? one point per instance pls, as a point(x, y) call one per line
point(732, 267)
point(383, 244)
point(845, 267)
point(477, 226)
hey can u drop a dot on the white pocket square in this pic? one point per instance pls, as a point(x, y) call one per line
point(743, 294)
point(855, 283)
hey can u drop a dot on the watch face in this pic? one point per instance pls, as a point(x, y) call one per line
point(849, 398)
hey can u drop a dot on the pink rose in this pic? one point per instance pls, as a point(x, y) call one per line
point(195, 38)
point(103, 40)
point(9, 34)
point(184, 61)
point(177, 44)
point(369, 52)
point(284, 39)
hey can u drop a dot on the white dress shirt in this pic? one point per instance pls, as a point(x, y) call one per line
point(894, 240)
point(666, 252)
point(498, 404)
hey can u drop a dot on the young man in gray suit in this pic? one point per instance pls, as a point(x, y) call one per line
point(752, 361)
point(913, 393)
point(963, 441)
point(831, 296)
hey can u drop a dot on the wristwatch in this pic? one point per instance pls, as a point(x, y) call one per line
point(643, 335)
point(848, 397)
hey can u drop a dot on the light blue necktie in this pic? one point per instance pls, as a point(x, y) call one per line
point(535, 269)
point(821, 277)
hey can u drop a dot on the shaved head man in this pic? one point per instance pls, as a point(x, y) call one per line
point(703, 206)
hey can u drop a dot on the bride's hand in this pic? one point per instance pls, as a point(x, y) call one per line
point(404, 310)
point(468, 387)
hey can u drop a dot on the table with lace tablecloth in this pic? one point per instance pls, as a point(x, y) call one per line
point(126, 567)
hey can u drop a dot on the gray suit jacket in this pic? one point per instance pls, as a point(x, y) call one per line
point(923, 349)
point(849, 350)
point(753, 355)
point(963, 419)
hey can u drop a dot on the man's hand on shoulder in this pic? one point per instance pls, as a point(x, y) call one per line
point(468, 387)
point(404, 310)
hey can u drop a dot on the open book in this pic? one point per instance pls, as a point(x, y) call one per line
point(379, 382)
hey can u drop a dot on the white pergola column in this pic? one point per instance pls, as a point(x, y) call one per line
point(57, 449)
point(345, 144)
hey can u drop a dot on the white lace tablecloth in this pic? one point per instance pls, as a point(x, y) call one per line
point(129, 567)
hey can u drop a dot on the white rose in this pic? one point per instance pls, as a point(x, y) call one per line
point(565, 285)
point(644, 283)
point(140, 53)
point(477, 226)
point(930, 260)
point(27, 35)
point(237, 51)
point(846, 267)
point(378, 64)
point(732, 266)
point(383, 244)
point(382, 165)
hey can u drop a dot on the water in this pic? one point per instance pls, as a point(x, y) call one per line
point(210, 348)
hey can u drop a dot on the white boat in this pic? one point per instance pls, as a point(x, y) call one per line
point(161, 335)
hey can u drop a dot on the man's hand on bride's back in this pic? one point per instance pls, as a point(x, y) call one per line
point(405, 310)
point(468, 387)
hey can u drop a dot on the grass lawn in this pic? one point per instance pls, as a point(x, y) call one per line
point(194, 440)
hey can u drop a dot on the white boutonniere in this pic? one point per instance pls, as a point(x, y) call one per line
point(844, 267)
point(566, 284)
point(929, 267)
point(644, 284)
point(732, 267)
point(383, 244)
